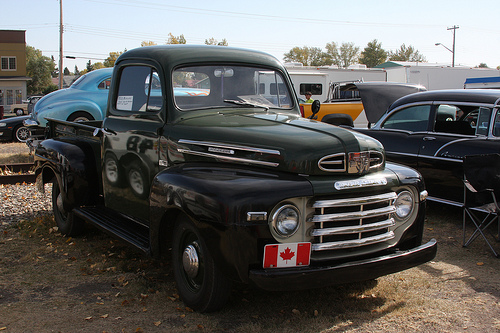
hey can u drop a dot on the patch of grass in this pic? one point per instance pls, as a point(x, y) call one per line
point(15, 152)
point(16, 158)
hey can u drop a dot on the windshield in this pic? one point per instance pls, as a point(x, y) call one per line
point(201, 87)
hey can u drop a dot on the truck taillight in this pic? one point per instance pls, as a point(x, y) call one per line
point(302, 110)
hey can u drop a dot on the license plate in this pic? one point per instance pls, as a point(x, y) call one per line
point(287, 255)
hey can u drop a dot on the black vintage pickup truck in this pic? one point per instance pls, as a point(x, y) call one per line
point(203, 156)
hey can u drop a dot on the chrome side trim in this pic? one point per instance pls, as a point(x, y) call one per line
point(353, 229)
point(228, 146)
point(228, 158)
point(353, 243)
point(449, 143)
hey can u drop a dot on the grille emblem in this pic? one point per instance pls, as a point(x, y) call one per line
point(358, 162)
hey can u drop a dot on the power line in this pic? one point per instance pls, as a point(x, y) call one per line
point(204, 11)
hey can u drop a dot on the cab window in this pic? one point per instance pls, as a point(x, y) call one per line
point(413, 119)
point(139, 90)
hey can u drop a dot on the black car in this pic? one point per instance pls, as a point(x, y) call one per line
point(12, 129)
point(432, 131)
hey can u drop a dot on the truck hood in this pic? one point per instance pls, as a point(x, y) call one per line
point(279, 141)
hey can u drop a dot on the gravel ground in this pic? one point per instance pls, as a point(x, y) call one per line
point(23, 201)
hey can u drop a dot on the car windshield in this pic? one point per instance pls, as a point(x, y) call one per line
point(202, 87)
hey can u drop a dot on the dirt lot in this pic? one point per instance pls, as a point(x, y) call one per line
point(50, 283)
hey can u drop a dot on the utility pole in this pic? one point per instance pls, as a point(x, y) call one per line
point(61, 28)
point(454, 28)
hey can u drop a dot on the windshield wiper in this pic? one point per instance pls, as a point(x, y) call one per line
point(243, 103)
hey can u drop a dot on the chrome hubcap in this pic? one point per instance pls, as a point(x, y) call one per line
point(190, 261)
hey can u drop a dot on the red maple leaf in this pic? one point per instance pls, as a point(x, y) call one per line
point(287, 254)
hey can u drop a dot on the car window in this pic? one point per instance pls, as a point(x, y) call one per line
point(456, 119)
point(104, 85)
point(413, 119)
point(139, 90)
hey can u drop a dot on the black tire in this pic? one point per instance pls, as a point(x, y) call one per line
point(201, 286)
point(21, 133)
point(67, 222)
point(80, 116)
point(137, 180)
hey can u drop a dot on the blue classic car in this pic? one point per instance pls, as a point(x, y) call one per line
point(432, 131)
point(85, 99)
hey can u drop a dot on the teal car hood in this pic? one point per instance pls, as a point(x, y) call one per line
point(283, 142)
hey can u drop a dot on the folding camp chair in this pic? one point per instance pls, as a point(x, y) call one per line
point(481, 186)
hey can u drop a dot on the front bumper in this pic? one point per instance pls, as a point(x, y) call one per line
point(354, 271)
point(37, 132)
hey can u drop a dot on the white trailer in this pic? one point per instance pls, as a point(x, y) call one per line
point(434, 76)
point(491, 82)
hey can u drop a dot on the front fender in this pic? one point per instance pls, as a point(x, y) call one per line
point(217, 199)
point(74, 166)
point(62, 110)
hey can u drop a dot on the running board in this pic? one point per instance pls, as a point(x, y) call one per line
point(120, 225)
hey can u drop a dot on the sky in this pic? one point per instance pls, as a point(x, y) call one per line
point(94, 28)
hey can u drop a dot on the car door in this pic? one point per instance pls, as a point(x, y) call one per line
point(402, 133)
point(442, 151)
point(131, 133)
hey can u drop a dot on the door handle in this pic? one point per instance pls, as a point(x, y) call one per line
point(106, 131)
point(429, 138)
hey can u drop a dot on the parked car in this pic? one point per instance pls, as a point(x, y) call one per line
point(432, 131)
point(26, 107)
point(13, 129)
point(85, 99)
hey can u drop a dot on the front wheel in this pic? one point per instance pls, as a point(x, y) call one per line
point(66, 221)
point(21, 134)
point(201, 285)
point(80, 116)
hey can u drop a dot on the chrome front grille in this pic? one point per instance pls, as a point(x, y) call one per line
point(333, 163)
point(352, 222)
point(355, 163)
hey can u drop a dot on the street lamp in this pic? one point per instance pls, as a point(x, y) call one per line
point(453, 53)
point(454, 28)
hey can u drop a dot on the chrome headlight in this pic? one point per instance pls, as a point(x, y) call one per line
point(285, 221)
point(3, 124)
point(404, 204)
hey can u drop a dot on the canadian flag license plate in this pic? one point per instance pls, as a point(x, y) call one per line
point(287, 255)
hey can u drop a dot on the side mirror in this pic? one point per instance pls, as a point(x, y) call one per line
point(315, 108)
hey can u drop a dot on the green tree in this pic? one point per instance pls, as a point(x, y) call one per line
point(405, 53)
point(39, 68)
point(76, 72)
point(147, 43)
point(308, 56)
point(176, 39)
point(482, 65)
point(373, 54)
point(343, 56)
point(213, 41)
point(110, 61)
point(66, 71)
